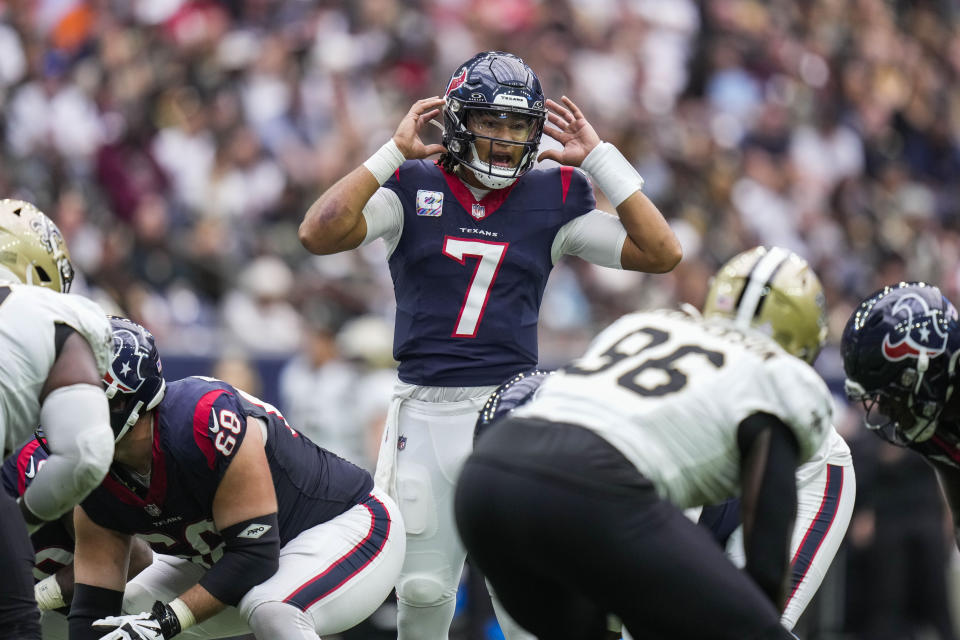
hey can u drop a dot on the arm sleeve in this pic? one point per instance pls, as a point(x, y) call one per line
point(596, 237)
point(384, 215)
point(768, 455)
point(76, 421)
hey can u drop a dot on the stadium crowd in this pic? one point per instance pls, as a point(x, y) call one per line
point(178, 143)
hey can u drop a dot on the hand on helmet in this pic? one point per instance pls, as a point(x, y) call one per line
point(407, 137)
point(571, 130)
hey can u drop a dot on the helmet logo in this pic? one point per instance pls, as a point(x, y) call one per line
point(126, 377)
point(919, 330)
point(52, 240)
point(456, 81)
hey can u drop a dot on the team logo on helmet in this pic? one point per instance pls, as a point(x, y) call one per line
point(53, 242)
point(919, 331)
point(125, 372)
point(457, 80)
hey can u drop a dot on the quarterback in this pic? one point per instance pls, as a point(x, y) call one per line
point(472, 239)
point(666, 410)
point(54, 347)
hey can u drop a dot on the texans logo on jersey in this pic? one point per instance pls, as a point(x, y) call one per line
point(920, 330)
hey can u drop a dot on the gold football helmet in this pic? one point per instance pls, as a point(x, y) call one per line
point(773, 290)
point(32, 248)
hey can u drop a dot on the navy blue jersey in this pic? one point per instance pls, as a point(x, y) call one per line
point(52, 543)
point(198, 426)
point(469, 276)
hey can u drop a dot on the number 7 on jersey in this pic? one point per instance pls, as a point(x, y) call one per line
point(490, 256)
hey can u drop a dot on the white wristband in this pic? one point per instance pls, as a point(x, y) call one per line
point(385, 161)
point(613, 173)
point(183, 613)
point(48, 595)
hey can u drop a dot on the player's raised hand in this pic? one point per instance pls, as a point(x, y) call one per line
point(407, 137)
point(571, 130)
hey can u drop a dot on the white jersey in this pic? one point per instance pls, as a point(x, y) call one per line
point(833, 450)
point(669, 391)
point(28, 318)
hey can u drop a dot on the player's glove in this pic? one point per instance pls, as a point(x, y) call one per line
point(161, 623)
point(48, 594)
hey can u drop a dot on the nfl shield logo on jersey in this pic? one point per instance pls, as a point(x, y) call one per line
point(478, 211)
point(429, 203)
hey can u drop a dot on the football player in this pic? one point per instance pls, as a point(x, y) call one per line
point(54, 348)
point(774, 291)
point(263, 529)
point(472, 239)
point(666, 410)
point(900, 350)
point(53, 543)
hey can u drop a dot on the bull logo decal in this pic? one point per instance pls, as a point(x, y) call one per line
point(456, 81)
point(124, 372)
point(920, 330)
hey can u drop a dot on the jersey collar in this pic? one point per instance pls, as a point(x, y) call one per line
point(157, 491)
point(478, 209)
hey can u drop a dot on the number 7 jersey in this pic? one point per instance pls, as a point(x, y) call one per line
point(469, 275)
point(669, 390)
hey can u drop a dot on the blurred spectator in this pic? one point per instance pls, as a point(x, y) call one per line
point(258, 316)
point(367, 341)
point(319, 392)
point(239, 372)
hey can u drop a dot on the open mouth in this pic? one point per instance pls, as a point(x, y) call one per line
point(501, 160)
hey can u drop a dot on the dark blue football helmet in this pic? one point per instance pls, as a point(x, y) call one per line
point(498, 84)
point(134, 381)
point(900, 350)
point(516, 391)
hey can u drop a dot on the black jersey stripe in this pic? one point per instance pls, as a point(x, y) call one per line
point(767, 267)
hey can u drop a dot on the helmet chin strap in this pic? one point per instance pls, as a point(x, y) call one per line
point(923, 363)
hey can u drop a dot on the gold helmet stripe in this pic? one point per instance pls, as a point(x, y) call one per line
point(758, 284)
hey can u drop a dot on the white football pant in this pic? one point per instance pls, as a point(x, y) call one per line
point(429, 434)
point(331, 577)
